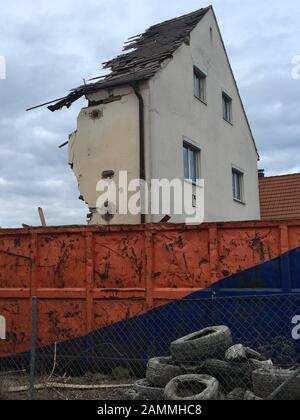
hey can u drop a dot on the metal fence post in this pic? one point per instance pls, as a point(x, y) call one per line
point(33, 347)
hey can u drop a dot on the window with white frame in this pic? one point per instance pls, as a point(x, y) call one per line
point(199, 85)
point(191, 162)
point(238, 185)
point(227, 108)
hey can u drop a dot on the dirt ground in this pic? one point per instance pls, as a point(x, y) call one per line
point(7, 383)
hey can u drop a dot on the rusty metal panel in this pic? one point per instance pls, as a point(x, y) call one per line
point(239, 249)
point(60, 320)
point(16, 313)
point(181, 259)
point(15, 261)
point(61, 261)
point(294, 236)
point(87, 278)
point(119, 260)
point(107, 312)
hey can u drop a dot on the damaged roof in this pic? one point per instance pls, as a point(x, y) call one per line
point(280, 197)
point(143, 56)
point(151, 48)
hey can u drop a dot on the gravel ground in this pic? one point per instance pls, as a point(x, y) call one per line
point(65, 394)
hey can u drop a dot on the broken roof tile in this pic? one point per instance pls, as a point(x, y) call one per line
point(143, 55)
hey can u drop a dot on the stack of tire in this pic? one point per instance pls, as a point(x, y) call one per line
point(207, 366)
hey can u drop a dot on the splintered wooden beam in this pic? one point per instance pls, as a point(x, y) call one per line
point(165, 219)
point(63, 145)
point(42, 217)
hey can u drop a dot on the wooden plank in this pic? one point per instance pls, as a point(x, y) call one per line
point(42, 217)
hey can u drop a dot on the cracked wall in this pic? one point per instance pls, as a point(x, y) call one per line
point(106, 140)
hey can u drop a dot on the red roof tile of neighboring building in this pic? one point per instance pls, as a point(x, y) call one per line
point(280, 197)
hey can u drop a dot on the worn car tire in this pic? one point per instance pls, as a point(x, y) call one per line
point(237, 394)
point(236, 353)
point(253, 354)
point(161, 370)
point(210, 342)
point(192, 368)
point(230, 375)
point(257, 364)
point(192, 387)
point(249, 396)
point(146, 390)
point(239, 353)
point(265, 381)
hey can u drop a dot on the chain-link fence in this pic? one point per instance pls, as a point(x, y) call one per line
point(218, 348)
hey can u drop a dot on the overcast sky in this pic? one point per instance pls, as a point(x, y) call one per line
point(51, 46)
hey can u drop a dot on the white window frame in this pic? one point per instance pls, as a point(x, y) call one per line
point(227, 107)
point(197, 152)
point(237, 176)
point(200, 78)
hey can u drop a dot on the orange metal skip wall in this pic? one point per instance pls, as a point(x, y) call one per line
point(86, 278)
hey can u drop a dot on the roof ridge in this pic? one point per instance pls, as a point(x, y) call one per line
point(280, 176)
point(202, 10)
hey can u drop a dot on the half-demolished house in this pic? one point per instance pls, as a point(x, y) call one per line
point(169, 109)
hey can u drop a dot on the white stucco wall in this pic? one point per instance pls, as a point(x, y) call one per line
point(175, 113)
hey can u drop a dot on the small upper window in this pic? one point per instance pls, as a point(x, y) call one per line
point(227, 108)
point(191, 162)
point(199, 85)
point(238, 185)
